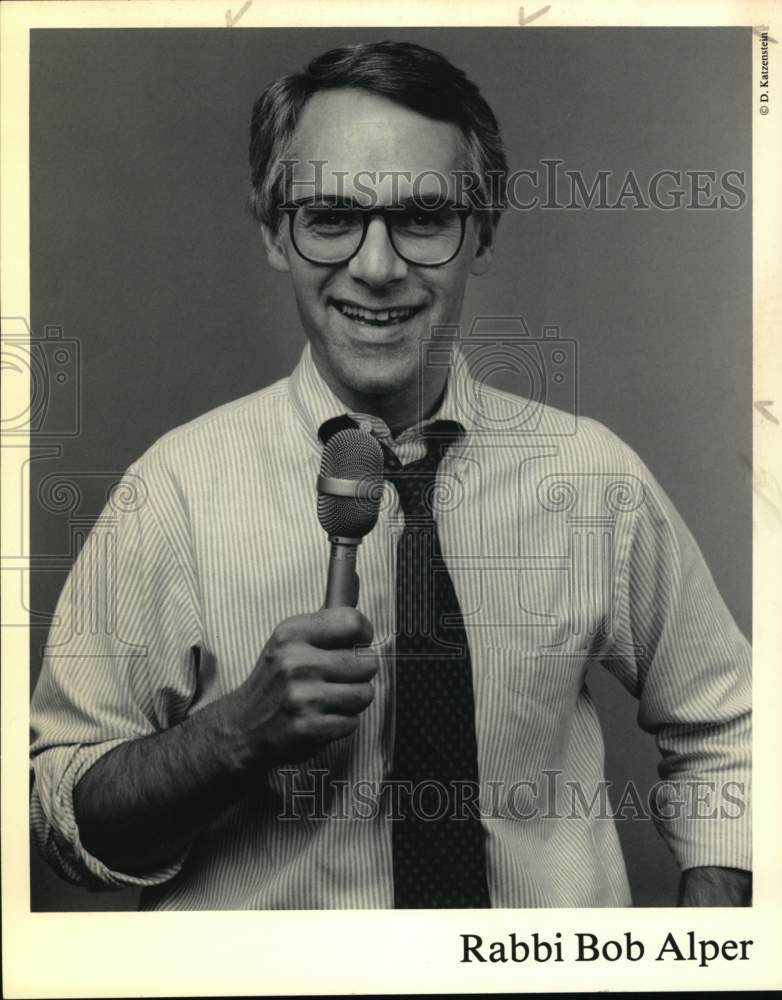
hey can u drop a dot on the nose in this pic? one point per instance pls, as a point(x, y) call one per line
point(377, 263)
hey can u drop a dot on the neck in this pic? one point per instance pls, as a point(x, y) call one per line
point(399, 409)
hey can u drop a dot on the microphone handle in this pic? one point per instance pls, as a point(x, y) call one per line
point(342, 581)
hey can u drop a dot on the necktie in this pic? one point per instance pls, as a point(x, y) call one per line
point(438, 842)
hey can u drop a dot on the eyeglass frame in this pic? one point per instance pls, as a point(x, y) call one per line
point(291, 208)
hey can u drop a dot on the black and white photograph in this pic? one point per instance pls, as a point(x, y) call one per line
point(384, 460)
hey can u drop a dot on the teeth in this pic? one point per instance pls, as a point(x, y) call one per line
point(374, 315)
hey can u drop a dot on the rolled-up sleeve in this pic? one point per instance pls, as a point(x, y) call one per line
point(679, 651)
point(119, 663)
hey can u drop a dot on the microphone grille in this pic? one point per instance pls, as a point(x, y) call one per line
point(351, 454)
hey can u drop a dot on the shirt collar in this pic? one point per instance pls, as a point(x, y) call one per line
point(314, 402)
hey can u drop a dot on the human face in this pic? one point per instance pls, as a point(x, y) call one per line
point(371, 359)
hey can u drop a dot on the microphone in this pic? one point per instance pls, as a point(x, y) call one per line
point(350, 486)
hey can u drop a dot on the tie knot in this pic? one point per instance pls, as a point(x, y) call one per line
point(415, 482)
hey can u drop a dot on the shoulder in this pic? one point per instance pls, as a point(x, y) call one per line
point(224, 437)
point(570, 440)
point(570, 464)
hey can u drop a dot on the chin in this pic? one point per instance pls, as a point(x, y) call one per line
point(378, 376)
point(373, 384)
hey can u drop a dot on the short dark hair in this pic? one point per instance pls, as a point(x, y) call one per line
point(418, 78)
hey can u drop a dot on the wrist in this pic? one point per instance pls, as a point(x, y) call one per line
point(230, 737)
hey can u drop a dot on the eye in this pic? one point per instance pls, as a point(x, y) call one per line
point(426, 220)
point(328, 219)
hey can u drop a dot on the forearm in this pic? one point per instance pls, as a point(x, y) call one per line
point(712, 886)
point(140, 805)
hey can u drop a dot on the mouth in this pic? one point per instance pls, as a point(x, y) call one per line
point(392, 316)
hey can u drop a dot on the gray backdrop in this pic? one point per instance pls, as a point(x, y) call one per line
point(143, 252)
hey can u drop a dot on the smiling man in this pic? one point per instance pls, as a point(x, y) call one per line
point(228, 745)
point(366, 319)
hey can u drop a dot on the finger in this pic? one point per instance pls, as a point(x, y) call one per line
point(337, 666)
point(326, 728)
point(311, 699)
point(337, 628)
point(346, 699)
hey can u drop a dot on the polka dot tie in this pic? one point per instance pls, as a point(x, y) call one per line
point(438, 841)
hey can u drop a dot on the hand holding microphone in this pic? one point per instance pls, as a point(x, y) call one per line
point(311, 682)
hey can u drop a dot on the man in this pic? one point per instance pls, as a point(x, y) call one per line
point(227, 745)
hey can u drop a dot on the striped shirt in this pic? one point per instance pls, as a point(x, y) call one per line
point(564, 552)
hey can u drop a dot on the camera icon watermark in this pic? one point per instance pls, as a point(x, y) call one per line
point(41, 382)
point(539, 376)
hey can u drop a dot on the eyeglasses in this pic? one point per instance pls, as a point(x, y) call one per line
point(333, 233)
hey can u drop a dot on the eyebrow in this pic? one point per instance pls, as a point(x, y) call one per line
point(337, 201)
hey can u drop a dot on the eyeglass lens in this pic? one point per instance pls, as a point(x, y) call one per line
point(329, 234)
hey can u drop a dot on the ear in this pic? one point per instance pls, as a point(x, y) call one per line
point(482, 259)
point(276, 249)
